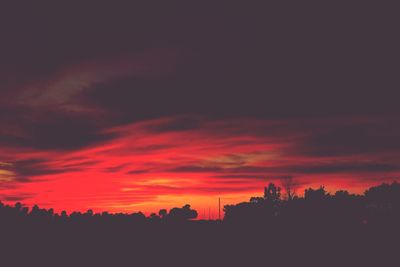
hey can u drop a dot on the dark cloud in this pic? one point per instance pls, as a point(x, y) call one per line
point(86, 163)
point(176, 124)
point(195, 169)
point(27, 170)
point(294, 64)
point(143, 98)
point(239, 176)
point(346, 168)
point(140, 149)
point(276, 61)
point(225, 189)
point(49, 129)
point(65, 135)
point(116, 168)
point(17, 197)
point(284, 61)
point(151, 148)
point(260, 172)
point(359, 138)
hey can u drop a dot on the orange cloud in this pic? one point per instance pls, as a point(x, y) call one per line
point(148, 166)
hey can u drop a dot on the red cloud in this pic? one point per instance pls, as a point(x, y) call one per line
point(164, 163)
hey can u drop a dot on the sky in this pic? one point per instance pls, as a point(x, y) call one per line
point(138, 108)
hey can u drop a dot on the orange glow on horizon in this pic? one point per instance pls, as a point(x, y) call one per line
point(143, 169)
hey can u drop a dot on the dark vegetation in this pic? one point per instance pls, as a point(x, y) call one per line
point(279, 228)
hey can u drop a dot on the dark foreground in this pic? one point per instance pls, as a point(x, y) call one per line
point(199, 244)
point(318, 229)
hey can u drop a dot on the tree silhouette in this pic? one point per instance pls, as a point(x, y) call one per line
point(362, 223)
point(384, 195)
point(163, 213)
point(290, 187)
point(182, 214)
point(315, 195)
point(272, 193)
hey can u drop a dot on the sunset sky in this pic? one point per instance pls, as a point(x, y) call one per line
point(122, 110)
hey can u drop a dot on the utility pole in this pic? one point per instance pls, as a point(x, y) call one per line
point(219, 208)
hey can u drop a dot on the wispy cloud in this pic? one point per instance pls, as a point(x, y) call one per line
point(155, 159)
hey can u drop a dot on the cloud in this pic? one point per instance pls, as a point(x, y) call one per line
point(359, 138)
point(291, 169)
point(17, 197)
point(39, 169)
point(355, 167)
point(6, 176)
point(55, 110)
point(238, 176)
point(195, 169)
point(49, 129)
point(179, 102)
point(117, 168)
point(149, 163)
point(139, 171)
point(26, 170)
point(179, 123)
point(242, 72)
point(63, 88)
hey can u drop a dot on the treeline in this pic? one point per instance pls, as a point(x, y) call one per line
point(19, 214)
point(277, 229)
point(378, 205)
